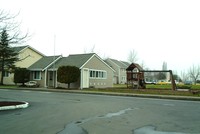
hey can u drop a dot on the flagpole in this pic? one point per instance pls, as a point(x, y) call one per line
point(54, 49)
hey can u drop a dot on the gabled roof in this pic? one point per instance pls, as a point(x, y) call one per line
point(77, 60)
point(44, 63)
point(126, 63)
point(133, 66)
point(19, 49)
point(118, 63)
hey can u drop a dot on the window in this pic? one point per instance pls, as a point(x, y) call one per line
point(92, 74)
point(98, 74)
point(123, 78)
point(6, 74)
point(37, 75)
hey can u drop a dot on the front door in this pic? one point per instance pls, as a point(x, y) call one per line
point(85, 78)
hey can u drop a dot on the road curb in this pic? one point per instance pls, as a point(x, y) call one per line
point(172, 97)
point(140, 95)
point(25, 105)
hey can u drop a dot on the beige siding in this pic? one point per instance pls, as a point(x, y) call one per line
point(120, 74)
point(27, 58)
point(96, 64)
point(116, 73)
point(9, 80)
point(40, 81)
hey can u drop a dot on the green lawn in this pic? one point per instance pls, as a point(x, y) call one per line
point(168, 86)
point(155, 89)
point(151, 86)
point(151, 89)
point(146, 91)
point(8, 86)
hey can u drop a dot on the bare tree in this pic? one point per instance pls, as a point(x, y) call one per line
point(142, 64)
point(194, 73)
point(9, 35)
point(92, 50)
point(8, 22)
point(132, 56)
point(184, 76)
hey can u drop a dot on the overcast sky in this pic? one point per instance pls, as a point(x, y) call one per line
point(159, 30)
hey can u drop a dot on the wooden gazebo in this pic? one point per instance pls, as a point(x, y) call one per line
point(135, 76)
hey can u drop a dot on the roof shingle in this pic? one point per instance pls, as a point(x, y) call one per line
point(43, 63)
point(74, 60)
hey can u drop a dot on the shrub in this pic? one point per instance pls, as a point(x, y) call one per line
point(68, 74)
point(21, 75)
point(183, 86)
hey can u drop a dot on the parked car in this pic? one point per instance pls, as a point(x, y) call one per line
point(150, 82)
point(163, 82)
point(31, 84)
point(188, 82)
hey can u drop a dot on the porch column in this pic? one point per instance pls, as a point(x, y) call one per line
point(81, 80)
point(56, 82)
point(45, 78)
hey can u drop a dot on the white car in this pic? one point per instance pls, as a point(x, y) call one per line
point(31, 84)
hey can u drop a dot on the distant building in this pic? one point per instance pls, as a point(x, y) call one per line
point(164, 67)
point(120, 70)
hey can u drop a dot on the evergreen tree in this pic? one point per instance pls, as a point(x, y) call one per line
point(7, 55)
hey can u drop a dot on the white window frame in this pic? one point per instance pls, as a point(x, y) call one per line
point(98, 74)
point(38, 73)
point(6, 74)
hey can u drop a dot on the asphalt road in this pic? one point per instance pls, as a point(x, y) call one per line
point(70, 113)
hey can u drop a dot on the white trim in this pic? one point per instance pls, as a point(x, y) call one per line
point(52, 63)
point(87, 61)
point(40, 75)
point(56, 81)
point(96, 70)
point(99, 59)
point(45, 80)
point(83, 77)
point(114, 62)
point(32, 49)
point(81, 83)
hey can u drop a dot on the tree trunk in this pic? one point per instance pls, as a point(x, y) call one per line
point(2, 71)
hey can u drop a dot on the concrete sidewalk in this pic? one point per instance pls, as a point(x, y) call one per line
point(173, 97)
